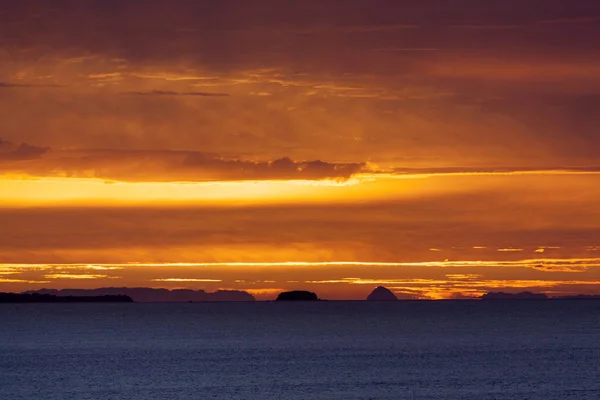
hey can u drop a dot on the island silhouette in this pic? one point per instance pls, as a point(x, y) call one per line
point(152, 295)
point(297, 295)
point(381, 293)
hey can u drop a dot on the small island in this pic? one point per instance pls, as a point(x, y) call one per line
point(297, 295)
point(381, 293)
point(49, 298)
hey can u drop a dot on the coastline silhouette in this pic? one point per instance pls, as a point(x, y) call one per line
point(514, 296)
point(152, 295)
point(159, 295)
point(49, 298)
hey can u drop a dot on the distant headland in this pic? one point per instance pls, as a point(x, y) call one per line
point(49, 298)
point(514, 296)
point(152, 295)
point(534, 296)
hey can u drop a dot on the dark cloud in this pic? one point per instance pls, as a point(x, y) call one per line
point(10, 85)
point(164, 165)
point(213, 34)
point(360, 80)
point(283, 168)
point(516, 170)
point(173, 165)
point(8, 152)
point(172, 93)
point(403, 229)
point(573, 20)
point(485, 27)
point(353, 29)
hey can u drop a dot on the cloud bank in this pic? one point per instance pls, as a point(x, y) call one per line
point(162, 165)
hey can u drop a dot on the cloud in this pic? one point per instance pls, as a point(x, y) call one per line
point(185, 280)
point(171, 76)
point(464, 276)
point(408, 49)
point(77, 276)
point(195, 166)
point(529, 70)
point(485, 27)
point(11, 85)
point(282, 168)
point(172, 93)
point(165, 165)
point(6, 280)
point(23, 152)
point(341, 29)
point(572, 20)
point(516, 170)
point(377, 28)
point(548, 265)
point(566, 267)
point(56, 268)
point(105, 75)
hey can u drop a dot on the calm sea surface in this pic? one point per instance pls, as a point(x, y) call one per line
point(326, 350)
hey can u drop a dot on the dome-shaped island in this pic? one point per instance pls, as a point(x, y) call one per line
point(382, 294)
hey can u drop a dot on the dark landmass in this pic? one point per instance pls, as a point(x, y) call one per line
point(49, 298)
point(579, 297)
point(151, 295)
point(514, 296)
point(297, 295)
point(535, 296)
point(381, 293)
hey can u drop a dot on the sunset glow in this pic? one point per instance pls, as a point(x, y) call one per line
point(325, 147)
point(445, 279)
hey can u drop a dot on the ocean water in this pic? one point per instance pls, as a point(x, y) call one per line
point(323, 350)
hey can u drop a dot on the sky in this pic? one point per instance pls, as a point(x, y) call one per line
point(440, 148)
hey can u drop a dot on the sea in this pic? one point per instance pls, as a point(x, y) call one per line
point(513, 350)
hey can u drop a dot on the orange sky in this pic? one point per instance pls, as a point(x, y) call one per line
point(439, 150)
